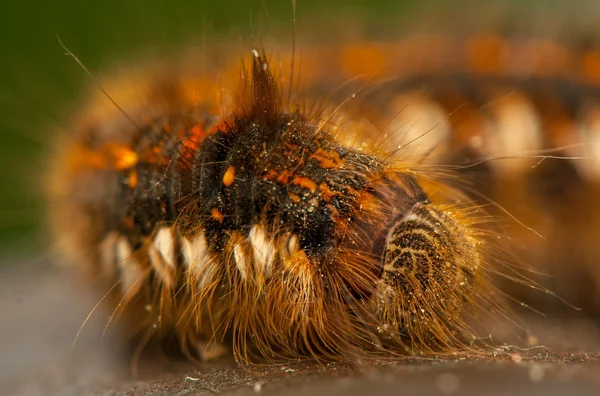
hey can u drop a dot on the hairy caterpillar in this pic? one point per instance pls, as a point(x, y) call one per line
point(271, 224)
point(220, 211)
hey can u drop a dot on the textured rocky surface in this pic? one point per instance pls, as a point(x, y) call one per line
point(41, 314)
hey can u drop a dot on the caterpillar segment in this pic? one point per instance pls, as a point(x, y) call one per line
point(269, 227)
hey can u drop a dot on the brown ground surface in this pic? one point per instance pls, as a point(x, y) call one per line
point(41, 312)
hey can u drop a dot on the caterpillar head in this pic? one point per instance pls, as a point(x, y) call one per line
point(431, 265)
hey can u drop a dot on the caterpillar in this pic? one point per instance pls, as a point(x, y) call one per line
point(329, 219)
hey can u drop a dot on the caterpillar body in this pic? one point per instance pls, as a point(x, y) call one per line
point(213, 209)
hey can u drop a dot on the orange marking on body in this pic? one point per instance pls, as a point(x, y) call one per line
point(327, 159)
point(284, 177)
point(487, 54)
point(82, 157)
point(590, 66)
point(197, 133)
point(305, 182)
point(124, 157)
point(367, 59)
point(217, 215)
point(191, 144)
point(220, 126)
point(229, 176)
point(270, 175)
point(295, 198)
point(133, 179)
point(111, 156)
point(326, 192)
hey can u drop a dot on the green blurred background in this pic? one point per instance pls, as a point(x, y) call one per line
point(38, 82)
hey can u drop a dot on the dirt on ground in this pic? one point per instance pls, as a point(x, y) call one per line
point(41, 313)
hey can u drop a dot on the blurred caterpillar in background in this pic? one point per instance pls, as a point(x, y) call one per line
point(332, 217)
